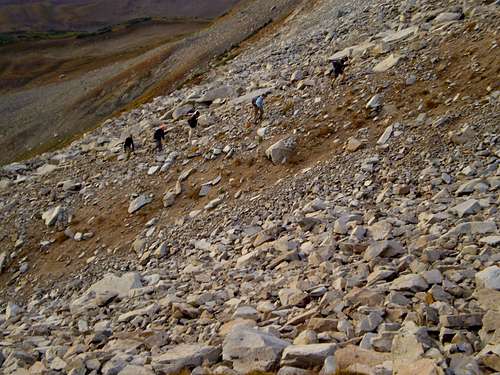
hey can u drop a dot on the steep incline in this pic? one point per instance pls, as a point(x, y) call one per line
point(369, 244)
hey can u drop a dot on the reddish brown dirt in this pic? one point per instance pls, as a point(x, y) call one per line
point(116, 229)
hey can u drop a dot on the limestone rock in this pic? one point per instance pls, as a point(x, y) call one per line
point(282, 151)
point(387, 64)
point(307, 356)
point(188, 356)
point(489, 278)
point(54, 215)
point(412, 282)
point(109, 285)
point(353, 144)
point(252, 350)
point(138, 203)
point(352, 356)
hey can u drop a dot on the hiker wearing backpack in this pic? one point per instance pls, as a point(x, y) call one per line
point(128, 146)
point(258, 108)
point(159, 136)
point(193, 123)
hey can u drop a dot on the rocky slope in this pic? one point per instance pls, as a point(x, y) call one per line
point(367, 244)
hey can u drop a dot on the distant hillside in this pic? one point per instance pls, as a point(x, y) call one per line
point(43, 15)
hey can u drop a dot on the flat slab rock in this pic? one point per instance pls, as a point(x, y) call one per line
point(138, 203)
point(307, 356)
point(252, 350)
point(110, 284)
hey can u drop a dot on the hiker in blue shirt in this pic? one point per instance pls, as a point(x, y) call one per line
point(258, 107)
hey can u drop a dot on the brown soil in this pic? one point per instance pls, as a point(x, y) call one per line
point(117, 229)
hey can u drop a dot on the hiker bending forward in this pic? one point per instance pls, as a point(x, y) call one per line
point(128, 146)
point(258, 108)
point(193, 123)
point(158, 137)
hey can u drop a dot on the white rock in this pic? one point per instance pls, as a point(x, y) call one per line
point(111, 284)
point(252, 350)
point(282, 151)
point(488, 278)
point(188, 355)
point(375, 102)
point(353, 144)
point(413, 282)
point(52, 216)
point(447, 17)
point(468, 207)
point(307, 356)
point(136, 370)
point(12, 310)
point(138, 203)
point(387, 64)
point(385, 137)
point(153, 170)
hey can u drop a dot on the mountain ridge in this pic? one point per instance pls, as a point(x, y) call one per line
point(90, 15)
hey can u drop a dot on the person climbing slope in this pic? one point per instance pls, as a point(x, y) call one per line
point(128, 146)
point(258, 107)
point(159, 136)
point(339, 67)
point(193, 123)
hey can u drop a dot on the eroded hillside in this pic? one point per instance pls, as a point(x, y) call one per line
point(355, 229)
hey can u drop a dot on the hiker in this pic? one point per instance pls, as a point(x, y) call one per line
point(258, 108)
point(128, 146)
point(159, 136)
point(193, 123)
point(339, 66)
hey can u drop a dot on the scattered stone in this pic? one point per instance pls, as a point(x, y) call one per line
point(307, 356)
point(138, 203)
point(353, 144)
point(282, 151)
point(252, 350)
point(489, 278)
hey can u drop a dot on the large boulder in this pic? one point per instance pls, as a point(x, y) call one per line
point(108, 287)
point(55, 215)
point(307, 356)
point(411, 282)
point(447, 17)
point(489, 278)
point(252, 350)
point(218, 93)
point(187, 356)
point(282, 151)
point(352, 357)
point(138, 203)
point(136, 370)
point(182, 111)
point(387, 64)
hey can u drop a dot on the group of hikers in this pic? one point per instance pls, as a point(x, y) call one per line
point(193, 116)
point(192, 122)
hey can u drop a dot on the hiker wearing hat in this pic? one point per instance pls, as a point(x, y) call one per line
point(158, 137)
point(193, 123)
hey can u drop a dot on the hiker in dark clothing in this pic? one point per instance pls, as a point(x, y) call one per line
point(258, 108)
point(339, 66)
point(128, 146)
point(158, 137)
point(193, 123)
